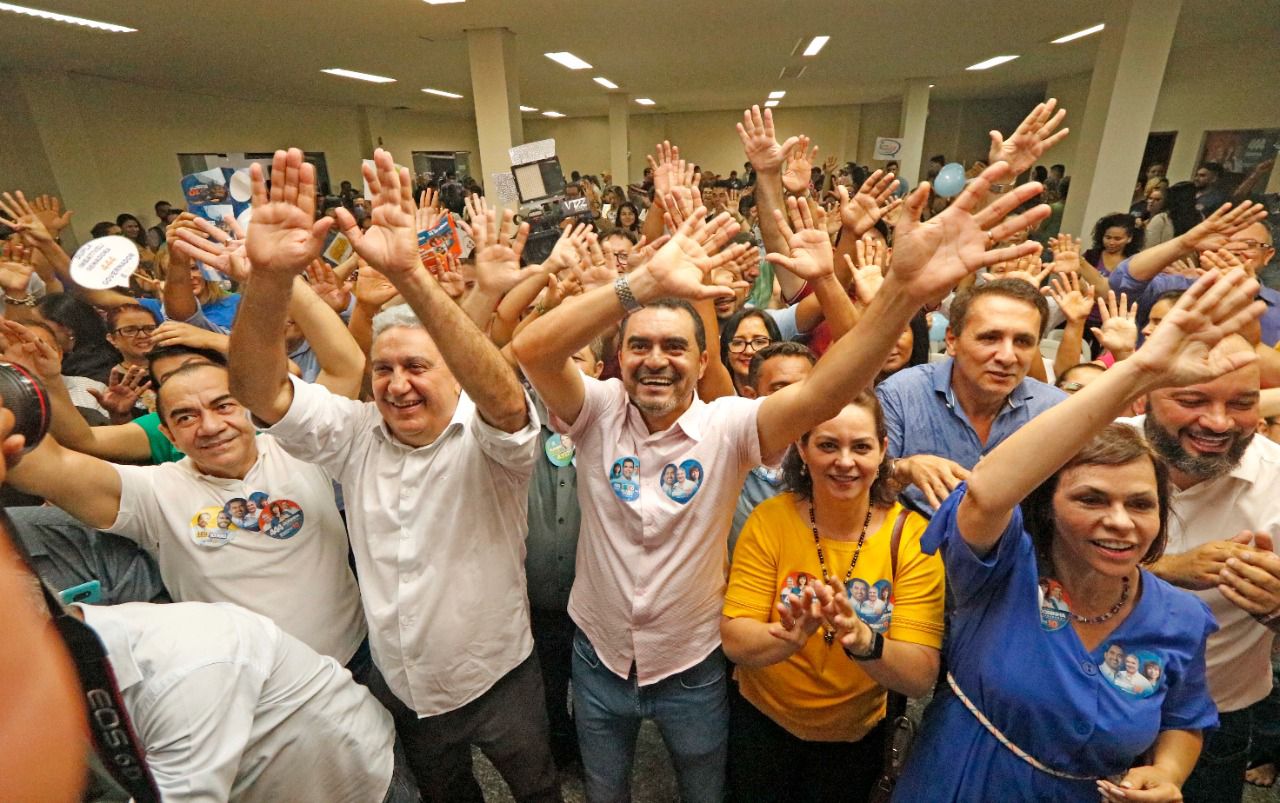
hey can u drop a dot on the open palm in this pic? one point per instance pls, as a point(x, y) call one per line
point(285, 236)
point(760, 143)
point(391, 243)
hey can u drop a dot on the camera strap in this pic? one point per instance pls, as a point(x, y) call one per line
point(114, 738)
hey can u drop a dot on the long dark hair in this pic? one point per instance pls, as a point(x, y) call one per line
point(1115, 445)
point(795, 474)
point(1180, 206)
point(1116, 220)
point(730, 328)
point(617, 217)
point(141, 239)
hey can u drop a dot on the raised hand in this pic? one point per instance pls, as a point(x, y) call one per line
point(450, 277)
point(644, 251)
point(829, 165)
point(373, 290)
point(931, 257)
point(680, 267)
point(868, 266)
point(1028, 269)
point(123, 391)
point(1074, 298)
point(811, 254)
point(498, 248)
point(49, 209)
point(214, 247)
point(325, 283)
point(1119, 331)
point(391, 243)
point(1066, 253)
point(285, 235)
point(1188, 267)
point(1033, 137)
point(596, 269)
point(22, 347)
point(428, 214)
point(1181, 350)
point(15, 267)
point(18, 214)
point(860, 213)
point(798, 618)
point(177, 333)
point(761, 144)
point(1214, 231)
point(799, 167)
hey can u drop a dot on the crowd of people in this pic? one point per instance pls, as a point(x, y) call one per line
point(842, 442)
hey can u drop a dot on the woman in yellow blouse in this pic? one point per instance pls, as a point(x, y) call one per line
point(806, 720)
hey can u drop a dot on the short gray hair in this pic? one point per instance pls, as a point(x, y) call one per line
point(390, 318)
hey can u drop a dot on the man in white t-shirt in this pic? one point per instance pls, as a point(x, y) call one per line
point(1224, 524)
point(435, 474)
point(178, 512)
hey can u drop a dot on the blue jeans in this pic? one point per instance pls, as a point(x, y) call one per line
point(691, 710)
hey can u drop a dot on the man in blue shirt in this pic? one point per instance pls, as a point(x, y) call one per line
point(943, 417)
point(1241, 230)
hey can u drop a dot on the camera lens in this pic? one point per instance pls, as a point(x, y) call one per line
point(26, 398)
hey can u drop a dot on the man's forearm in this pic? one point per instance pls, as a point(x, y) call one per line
point(837, 309)
point(179, 300)
point(336, 350)
point(259, 366)
point(1069, 349)
point(769, 196)
point(1146, 264)
point(476, 363)
point(550, 341)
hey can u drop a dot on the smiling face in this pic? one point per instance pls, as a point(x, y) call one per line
point(413, 388)
point(206, 423)
point(1106, 517)
point(843, 455)
point(130, 228)
point(660, 361)
point(1203, 430)
point(133, 347)
point(1114, 656)
point(626, 217)
point(994, 351)
point(1131, 664)
point(751, 335)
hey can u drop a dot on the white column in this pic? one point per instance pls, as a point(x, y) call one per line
point(495, 88)
point(619, 138)
point(915, 113)
point(1112, 133)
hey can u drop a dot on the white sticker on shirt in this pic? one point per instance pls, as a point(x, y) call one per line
point(681, 481)
point(624, 478)
point(1133, 671)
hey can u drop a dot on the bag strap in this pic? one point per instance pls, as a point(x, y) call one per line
point(896, 703)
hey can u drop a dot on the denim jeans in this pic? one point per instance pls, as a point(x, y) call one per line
point(1218, 776)
point(691, 710)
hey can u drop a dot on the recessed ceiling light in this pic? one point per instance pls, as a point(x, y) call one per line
point(645, 101)
point(1062, 40)
point(442, 93)
point(569, 60)
point(605, 82)
point(931, 86)
point(552, 114)
point(779, 95)
point(816, 44)
point(769, 104)
point(994, 61)
point(359, 76)
point(55, 17)
point(443, 2)
point(528, 108)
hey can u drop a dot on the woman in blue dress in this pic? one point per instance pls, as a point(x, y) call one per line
point(1043, 704)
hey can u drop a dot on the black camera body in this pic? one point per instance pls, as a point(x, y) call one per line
point(25, 396)
point(540, 187)
point(545, 221)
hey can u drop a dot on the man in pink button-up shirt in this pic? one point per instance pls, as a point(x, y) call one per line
point(660, 470)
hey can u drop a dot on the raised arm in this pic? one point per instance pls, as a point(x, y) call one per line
point(1179, 352)
point(340, 357)
point(929, 258)
point(1075, 299)
point(1209, 234)
point(94, 496)
point(767, 157)
point(391, 246)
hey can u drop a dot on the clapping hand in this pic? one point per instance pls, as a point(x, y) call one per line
point(811, 254)
point(1028, 143)
point(1074, 298)
point(1119, 331)
point(840, 617)
point(931, 257)
point(285, 235)
point(873, 200)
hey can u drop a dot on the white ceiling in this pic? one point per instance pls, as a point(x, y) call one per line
point(689, 55)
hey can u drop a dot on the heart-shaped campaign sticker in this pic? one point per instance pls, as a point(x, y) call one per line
point(105, 262)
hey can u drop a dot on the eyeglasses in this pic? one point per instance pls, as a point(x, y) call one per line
point(134, 331)
point(739, 345)
point(1246, 246)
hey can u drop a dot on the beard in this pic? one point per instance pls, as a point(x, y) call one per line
point(1201, 466)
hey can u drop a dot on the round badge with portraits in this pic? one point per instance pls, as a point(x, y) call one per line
point(281, 519)
point(212, 527)
point(1055, 610)
point(624, 478)
point(559, 449)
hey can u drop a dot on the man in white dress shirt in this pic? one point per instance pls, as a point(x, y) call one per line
point(435, 474)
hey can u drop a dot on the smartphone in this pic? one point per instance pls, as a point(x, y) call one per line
point(89, 593)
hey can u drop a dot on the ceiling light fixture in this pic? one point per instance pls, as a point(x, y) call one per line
point(443, 2)
point(55, 17)
point(359, 76)
point(442, 93)
point(567, 59)
point(528, 108)
point(931, 86)
point(994, 61)
point(605, 82)
point(769, 104)
point(645, 101)
point(779, 95)
point(1062, 40)
point(816, 44)
point(552, 114)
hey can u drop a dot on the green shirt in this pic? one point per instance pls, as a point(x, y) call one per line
point(162, 449)
point(762, 290)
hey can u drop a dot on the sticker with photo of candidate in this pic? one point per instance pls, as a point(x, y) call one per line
point(795, 583)
point(559, 449)
point(211, 527)
point(873, 602)
point(1055, 611)
point(1133, 671)
point(624, 477)
point(681, 482)
point(281, 519)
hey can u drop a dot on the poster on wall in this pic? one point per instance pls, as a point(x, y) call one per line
point(1241, 152)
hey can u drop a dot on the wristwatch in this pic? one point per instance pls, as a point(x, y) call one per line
point(874, 654)
point(622, 289)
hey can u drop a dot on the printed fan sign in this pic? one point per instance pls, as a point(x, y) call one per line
point(105, 262)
